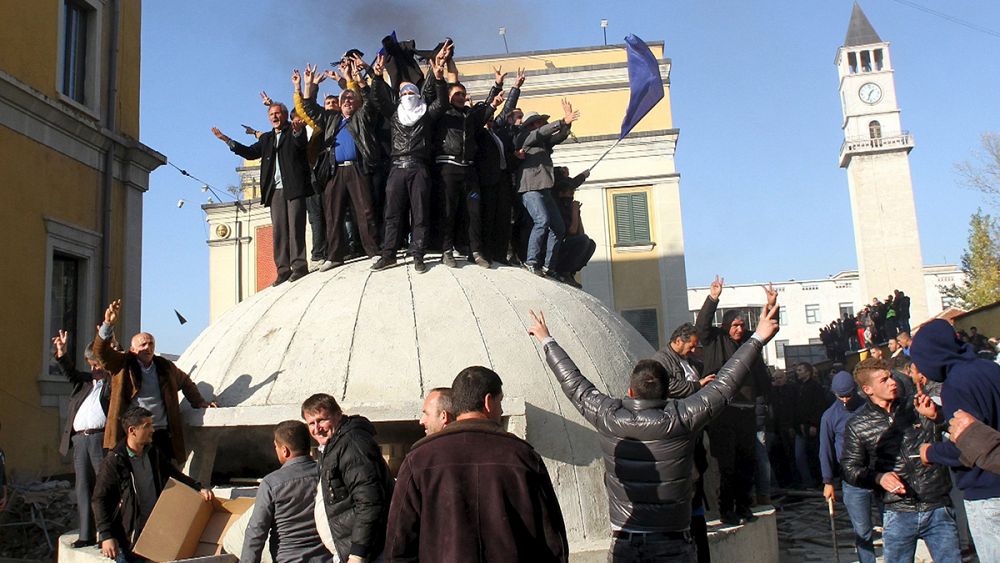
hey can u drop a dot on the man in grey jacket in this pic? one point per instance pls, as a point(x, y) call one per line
point(650, 434)
point(285, 501)
point(684, 378)
point(535, 178)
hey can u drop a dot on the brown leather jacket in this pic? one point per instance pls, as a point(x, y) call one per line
point(125, 380)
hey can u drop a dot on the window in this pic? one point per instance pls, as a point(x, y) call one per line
point(75, 51)
point(78, 78)
point(64, 297)
point(866, 61)
point(644, 321)
point(631, 219)
point(812, 314)
point(846, 310)
point(875, 130)
point(852, 61)
point(782, 316)
point(779, 348)
point(70, 290)
point(878, 59)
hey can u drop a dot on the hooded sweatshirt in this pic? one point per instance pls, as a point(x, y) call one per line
point(970, 384)
point(718, 347)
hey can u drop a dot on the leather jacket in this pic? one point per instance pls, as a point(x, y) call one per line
point(678, 385)
point(411, 142)
point(876, 442)
point(362, 127)
point(455, 131)
point(648, 445)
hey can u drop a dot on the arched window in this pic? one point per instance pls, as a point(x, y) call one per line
point(875, 132)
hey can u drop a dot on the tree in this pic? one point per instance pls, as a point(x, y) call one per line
point(983, 172)
point(980, 262)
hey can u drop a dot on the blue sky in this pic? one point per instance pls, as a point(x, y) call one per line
point(753, 88)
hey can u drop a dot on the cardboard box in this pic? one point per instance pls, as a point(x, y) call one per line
point(183, 525)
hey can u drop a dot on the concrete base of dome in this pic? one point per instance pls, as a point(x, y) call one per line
point(753, 542)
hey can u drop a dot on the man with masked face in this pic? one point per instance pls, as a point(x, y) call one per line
point(732, 435)
point(408, 186)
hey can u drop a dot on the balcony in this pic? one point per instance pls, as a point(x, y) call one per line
point(866, 145)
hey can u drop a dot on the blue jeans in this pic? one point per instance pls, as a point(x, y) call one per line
point(859, 507)
point(984, 523)
point(547, 225)
point(936, 527)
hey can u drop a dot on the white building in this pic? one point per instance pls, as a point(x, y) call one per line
point(809, 305)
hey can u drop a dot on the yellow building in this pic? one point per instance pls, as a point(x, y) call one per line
point(631, 203)
point(74, 175)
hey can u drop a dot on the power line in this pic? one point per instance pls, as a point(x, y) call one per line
point(952, 19)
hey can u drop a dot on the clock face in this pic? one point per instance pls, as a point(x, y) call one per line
point(870, 93)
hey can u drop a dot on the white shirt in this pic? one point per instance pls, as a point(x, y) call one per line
point(91, 415)
point(277, 163)
point(689, 372)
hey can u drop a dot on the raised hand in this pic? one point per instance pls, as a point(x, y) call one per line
point(569, 115)
point(767, 325)
point(772, 295)
point(520, 78)
point(332, 75)
point(359, 62)
point(539, 329)
point(265, 98)
point(497, 100)
point(499, 76)
point(220, 135)
point(296, 79)
point(379, 67)
point(59, 341)
point(308, 74)
point(111, 314)
point(715, 290)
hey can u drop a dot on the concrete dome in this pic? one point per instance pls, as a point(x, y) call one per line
point(378, 341)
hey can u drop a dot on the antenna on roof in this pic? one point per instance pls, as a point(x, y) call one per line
point(604, 27)
point(503, 33)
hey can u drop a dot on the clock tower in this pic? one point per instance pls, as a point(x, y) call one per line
point(875, 153)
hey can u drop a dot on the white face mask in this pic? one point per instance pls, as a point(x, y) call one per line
point(411, 109)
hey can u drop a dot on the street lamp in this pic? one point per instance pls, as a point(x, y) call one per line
point(604, 27)
point(503, 33)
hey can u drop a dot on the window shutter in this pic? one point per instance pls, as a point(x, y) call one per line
point(631, 218)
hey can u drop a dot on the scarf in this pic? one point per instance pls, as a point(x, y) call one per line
point(411, 108)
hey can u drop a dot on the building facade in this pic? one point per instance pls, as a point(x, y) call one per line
point(875, 153)
point(72, 224)
point(631, 202)
point(809, 305)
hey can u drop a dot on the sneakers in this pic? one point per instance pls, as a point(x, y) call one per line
point(448, 259)
point(383, 263)
point(418, 265)
point(480, 260)
point(533, 269)
point(730, 518)
point(329, 265)
point(746, 514)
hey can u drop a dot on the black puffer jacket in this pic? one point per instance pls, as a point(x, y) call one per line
point(411, 142)
point(876, 443)
point(648, 445)
point(357, 488)
point(456, 130)
point(115, 500)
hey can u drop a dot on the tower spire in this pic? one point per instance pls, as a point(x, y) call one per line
point(860, 30)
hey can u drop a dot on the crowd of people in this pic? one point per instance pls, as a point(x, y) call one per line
point(873, 326)
point(409, 160)
point(878, 433)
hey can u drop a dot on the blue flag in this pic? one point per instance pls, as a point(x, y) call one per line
point(644, 81)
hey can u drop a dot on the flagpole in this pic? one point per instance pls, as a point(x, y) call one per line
point(605, 154)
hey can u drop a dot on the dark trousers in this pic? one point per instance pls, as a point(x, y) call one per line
point(88, 453)
point(459, 206)
point(348, 182)
point(288, 224)
point(575, 252)
point(496, 212)
point(163, 442)
point(647, 548)
point(317, 223)
point(699, 533)
point(377, 179)
point(406, 190)
point(733, 444)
